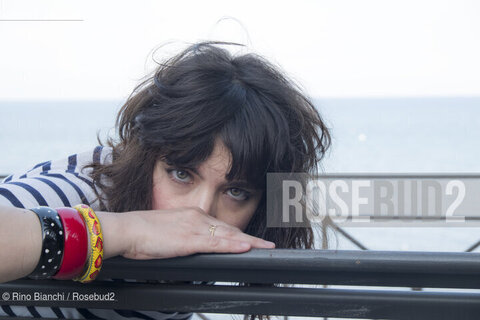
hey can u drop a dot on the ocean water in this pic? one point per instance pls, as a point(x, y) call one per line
point(32, 132)
point(401, 135)
point(369, 135)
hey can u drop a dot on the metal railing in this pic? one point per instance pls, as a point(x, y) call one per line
point(262, 267)
point(408, 270)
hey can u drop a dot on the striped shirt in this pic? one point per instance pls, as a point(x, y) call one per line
point(64, 183)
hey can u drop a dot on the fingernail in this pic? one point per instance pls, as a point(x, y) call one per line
point(271, 244)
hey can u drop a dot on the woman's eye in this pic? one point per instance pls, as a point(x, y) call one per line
point(238, 194)
point(180, 175)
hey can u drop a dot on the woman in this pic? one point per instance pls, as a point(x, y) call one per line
point(187, 174)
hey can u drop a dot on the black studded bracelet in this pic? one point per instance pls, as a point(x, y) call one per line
point(53, 243)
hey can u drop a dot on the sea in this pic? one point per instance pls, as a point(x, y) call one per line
point(369, 135)
point(423, 135)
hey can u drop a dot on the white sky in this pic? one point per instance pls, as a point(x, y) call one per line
point(334, 48)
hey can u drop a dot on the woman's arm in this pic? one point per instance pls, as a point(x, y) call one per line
point(20, 242)
point(153, 234)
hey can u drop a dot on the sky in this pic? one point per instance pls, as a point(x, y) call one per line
point(337, 48)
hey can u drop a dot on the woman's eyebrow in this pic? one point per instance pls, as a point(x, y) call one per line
point(241, 184)
point(194, 170)
point(233, 183)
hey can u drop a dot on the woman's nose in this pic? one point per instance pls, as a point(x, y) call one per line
point(205, 200)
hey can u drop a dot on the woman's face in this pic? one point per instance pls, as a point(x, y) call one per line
point(206, 187)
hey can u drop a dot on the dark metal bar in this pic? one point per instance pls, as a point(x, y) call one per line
point(392, 175)
point(400, 175)
point(361, 304)
point(377, 218)
point(348, 236)
point(473, 246)
point(368, 268)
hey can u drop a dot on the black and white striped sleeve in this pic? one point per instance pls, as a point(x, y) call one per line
point(58, 184)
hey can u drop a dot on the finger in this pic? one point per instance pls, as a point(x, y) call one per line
point(232, 233)
point(224, 230)
point(209, 244)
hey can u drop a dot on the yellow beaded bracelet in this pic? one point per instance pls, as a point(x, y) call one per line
point(95, 260)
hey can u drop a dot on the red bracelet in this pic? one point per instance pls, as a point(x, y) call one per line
point(76, 244)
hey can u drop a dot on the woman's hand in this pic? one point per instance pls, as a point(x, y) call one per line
point(158, 234)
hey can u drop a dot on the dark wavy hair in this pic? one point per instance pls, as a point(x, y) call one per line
point(202, 94)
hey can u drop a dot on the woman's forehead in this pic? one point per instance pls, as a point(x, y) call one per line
point(220, 160)
point(217, 168)
point(217, 165)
